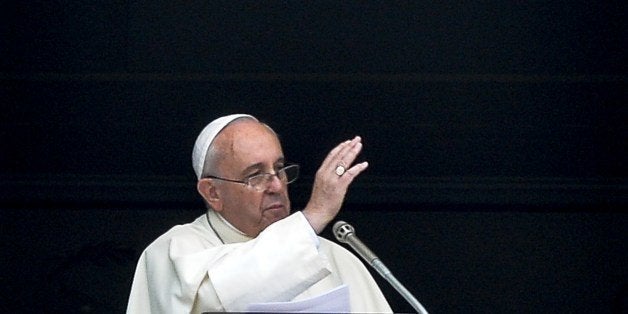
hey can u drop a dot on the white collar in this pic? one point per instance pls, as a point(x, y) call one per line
point(225, 230)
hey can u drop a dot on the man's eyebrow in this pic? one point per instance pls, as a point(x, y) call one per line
point(255, 166)
point(258, 166)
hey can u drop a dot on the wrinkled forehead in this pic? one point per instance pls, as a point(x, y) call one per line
point(249, 141)
point(244, 130)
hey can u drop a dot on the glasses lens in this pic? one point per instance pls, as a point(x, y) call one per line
point(287, 175)
point(259, 181)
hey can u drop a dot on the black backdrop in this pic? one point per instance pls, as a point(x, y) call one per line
point(495, 132)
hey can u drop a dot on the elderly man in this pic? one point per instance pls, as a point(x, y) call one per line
point(248, 249)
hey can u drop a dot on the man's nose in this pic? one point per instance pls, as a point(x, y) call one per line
point(274, 183)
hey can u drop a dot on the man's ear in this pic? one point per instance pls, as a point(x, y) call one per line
point(209, 192)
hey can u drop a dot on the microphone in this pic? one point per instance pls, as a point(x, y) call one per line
point(345, 233)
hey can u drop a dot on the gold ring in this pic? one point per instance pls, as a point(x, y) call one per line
point(340, 170)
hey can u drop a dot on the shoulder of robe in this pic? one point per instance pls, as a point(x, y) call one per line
point(194, 233)
point(337, 251)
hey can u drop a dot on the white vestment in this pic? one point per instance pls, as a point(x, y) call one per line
point(209, 266)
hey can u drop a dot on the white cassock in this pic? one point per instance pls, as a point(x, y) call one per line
point(209, 266)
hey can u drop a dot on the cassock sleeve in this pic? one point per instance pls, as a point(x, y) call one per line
point(282, 262)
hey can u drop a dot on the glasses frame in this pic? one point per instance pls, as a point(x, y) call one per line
point(247, 181)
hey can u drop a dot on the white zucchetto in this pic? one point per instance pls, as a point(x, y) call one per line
point(205, 139)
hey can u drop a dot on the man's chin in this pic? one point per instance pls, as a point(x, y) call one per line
point(270, 217)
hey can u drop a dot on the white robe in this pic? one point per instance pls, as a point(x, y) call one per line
point(209, 266)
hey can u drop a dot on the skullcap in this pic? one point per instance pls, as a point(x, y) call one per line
point(207, 136)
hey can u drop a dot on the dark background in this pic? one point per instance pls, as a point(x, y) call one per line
point(496, 135)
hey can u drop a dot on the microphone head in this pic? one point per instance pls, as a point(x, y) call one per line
point(342, 230)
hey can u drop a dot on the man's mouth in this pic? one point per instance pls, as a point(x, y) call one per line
point(276, 206)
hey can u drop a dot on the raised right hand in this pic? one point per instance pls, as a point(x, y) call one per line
point(330, 188)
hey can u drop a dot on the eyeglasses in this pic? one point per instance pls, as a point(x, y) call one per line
point(259, 182)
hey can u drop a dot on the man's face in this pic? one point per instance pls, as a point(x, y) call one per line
point(251, 148)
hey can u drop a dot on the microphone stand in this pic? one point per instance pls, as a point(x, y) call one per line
point(344, 232)
point(387, 274)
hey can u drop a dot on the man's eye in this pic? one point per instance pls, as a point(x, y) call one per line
point(253, 175)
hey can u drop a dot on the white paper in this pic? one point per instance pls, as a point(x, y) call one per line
point(334, 301)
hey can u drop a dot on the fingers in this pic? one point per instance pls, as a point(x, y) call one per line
point(355, 170)
point(332, 157)
point(338, 169)
point(343, 155)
